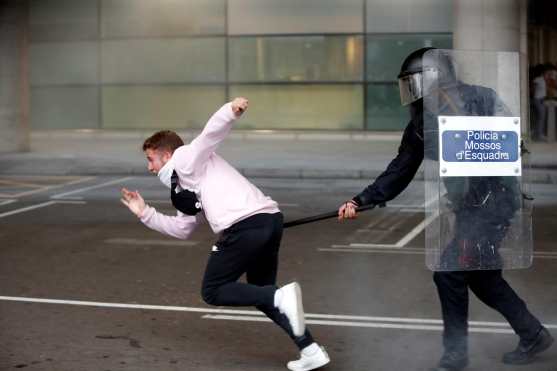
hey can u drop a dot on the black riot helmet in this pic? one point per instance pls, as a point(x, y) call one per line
point(434, 66)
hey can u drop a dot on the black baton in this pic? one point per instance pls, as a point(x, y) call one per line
point(324, 216)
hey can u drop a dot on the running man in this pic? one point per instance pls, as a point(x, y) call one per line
point(248, 223)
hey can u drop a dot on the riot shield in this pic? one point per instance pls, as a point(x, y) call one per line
point(478, 214)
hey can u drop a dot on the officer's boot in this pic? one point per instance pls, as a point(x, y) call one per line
point(526, 350)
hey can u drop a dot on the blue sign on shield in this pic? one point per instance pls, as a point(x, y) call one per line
point(479, 146)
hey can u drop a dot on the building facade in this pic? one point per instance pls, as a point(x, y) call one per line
point(143, 64)
point(323, 65)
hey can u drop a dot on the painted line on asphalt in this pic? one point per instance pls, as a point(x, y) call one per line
point(545, 252)
point(376, 221)
point(74, 198)
point(371, 251)
point(252, 315)
point(390, 249)
point(421, 206)
point(38, 206)
point(121, 305)
point(42, 188)
point(28, 208)
point(436, 325)
point(406, 238)
point(80, 190)
point(541, 256)
point(363, 324)
point(411, 210)
point(19, 183)
point(406, 206)
point(399, 220)
point(378, 247)
point(144, 242)
point(7, 202)
point(416, 230)
point(363, 319)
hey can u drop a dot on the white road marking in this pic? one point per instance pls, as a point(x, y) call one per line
point(541, 256)
point(405, 239)
point(46, 188)
point(75, 198)
point(399, 219)
point(122, 305)
point(364, 324)
point(38, 206)
point(544, 252)
point(405, 206)
point(388, 319)
point(380, 248)
point(313, 318)
point(390, 249)
point(24, 209)
point(371, 251)
point(411, 210)
point(143, 242)
point(376, 221)
point(19, 184)
point(115, 181)
point(7, 202)
point(421, 206)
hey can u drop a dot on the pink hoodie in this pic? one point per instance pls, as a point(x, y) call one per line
point(226, 196)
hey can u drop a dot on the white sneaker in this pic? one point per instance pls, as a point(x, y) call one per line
point(290, 304)
point(316, 358)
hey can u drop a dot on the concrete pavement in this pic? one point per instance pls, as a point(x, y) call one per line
point(85, 286)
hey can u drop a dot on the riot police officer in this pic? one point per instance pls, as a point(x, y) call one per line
point(471, 198)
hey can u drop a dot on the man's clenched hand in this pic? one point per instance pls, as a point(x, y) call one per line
point(239, 106)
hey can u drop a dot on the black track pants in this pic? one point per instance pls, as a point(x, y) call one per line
point(250, 246)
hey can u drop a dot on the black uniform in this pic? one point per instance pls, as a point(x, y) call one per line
point(488, 285)
point(250, 246)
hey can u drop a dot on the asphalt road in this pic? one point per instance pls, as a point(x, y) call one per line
point(85, 286)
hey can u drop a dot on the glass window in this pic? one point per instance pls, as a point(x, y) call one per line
point(385, 53)
point(64, 63)
point(296, 58)
point(64, 108)
point(63, 20)
point(163, 60)
point(409, 16)
point(148, 18)
point(294, 16)
point(159, 107)
point(302, 106)
point(383, 108)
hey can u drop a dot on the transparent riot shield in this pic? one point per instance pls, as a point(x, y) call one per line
point(478, 213)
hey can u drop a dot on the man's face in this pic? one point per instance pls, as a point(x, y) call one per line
point(156, 159)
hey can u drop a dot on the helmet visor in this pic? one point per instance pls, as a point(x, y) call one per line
point(411, 88)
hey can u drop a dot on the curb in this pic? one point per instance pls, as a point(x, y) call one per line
point(69, 166)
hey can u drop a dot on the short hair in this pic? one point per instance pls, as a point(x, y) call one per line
point(165, 139)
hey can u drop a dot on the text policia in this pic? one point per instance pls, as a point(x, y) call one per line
point(489, 141)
